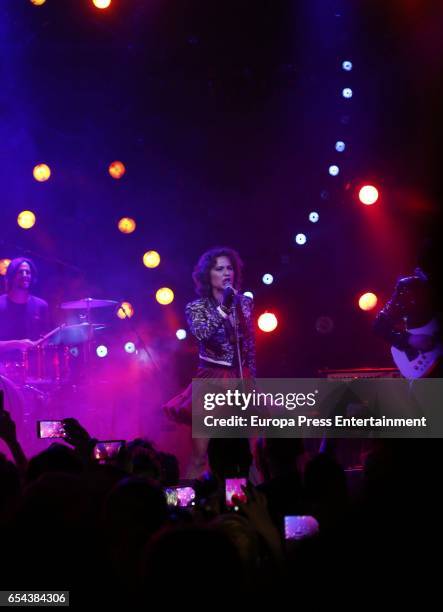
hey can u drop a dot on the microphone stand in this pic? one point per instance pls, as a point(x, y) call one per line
point(140, 342)
point(237, 339)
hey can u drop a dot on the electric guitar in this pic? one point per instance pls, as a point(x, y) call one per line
point(413, 363)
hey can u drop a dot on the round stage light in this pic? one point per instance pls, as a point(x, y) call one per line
point(334, 170)
point(267, 279)
point(340, 146)
point(127, 225)
point(101, 350)
point(74, 351)
point(368, 195)
point(347, 65)
point(347, 93)
point(249, 294)
point(314, 217)
point(129, 347)
point(267, 322)
point(164, 296)
point(101, 4)
point(151, 259)
point(4, 263)
point(117, 169)
point(300, 239)
point(125, 311)
point(41, 172)
point(181, 334)
point(367, 301)
point(38, 2)
point(26, 219)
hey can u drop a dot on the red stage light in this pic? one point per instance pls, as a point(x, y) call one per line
point(367, 301)
point(267, 322)
point(368, 195)
point(101, 4)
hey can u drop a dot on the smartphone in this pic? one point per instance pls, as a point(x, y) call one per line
point(50, 429)
point(107, 449)
point(300, 527)
point(181, 497)
point(233, 488)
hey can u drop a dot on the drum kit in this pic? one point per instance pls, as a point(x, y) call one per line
point(57, 369)
point(49, 363)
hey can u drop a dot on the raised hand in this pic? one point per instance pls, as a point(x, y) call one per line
point(8, 431)
point(77, 436)
point(256, 511)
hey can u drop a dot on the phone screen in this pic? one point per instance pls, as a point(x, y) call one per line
point(107, 449)
point(233, 488)
point(181, 497)
point(50, 429)
point(300, 527)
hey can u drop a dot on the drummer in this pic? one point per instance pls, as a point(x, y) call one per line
point(24, 317)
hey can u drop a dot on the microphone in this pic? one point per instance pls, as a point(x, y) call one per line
point(228, 296)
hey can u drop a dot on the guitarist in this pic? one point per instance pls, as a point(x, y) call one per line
point(415, 302)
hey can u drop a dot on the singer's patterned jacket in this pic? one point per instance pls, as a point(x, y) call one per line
point(214, 333)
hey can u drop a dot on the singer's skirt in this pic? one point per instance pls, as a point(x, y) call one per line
point(179, 408)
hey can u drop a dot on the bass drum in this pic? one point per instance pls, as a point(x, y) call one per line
point(13, 371)
point(26, 405)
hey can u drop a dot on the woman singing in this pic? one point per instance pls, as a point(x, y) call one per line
point(221, 321)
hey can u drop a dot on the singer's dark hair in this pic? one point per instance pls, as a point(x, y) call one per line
point(13, 268)
point(207, 261)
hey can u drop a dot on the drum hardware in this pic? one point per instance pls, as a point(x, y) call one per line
point(88, 304)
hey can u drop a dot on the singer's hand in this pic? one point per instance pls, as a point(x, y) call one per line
point(228, 297)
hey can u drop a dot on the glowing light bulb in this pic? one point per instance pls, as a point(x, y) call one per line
point(26, 219)
point(116, 169)
point(368, 195)
point(164, 296)
point(127, 225)
point(151, 259)
point(41, 172)
point(367, 301)
point(126, 311)
point(267, 322)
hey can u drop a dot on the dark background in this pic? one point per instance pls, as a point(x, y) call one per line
point(225, 114)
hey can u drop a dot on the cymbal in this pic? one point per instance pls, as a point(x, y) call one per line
point(74, 334)
point(87, 303)
point(85, 325)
